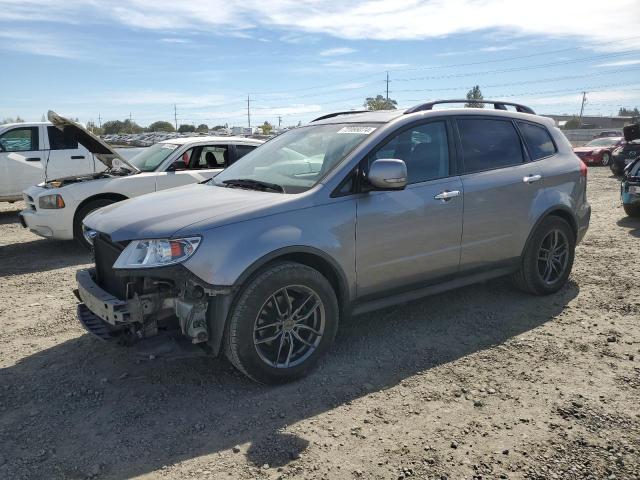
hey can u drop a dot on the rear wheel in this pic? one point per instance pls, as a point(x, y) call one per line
point(606, 158)
point(283, 321)
point(548, 258)
point(632, 210)
point(81, 214)
point(614, 168)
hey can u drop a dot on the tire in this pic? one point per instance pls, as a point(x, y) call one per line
point(606, 158)
point(253, 346)
point(532, 276)
point(614, 168)
point(632, 210)
point(82, 213)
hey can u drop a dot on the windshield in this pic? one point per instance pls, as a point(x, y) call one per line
point(296, 160)
point(603, 142)
point(149, 159)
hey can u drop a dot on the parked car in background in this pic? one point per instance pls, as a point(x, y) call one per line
point(628, 152)
point(630, 189)
point(598, 151)
point(351, 213)
point(32, 153)
point(55, 209)
point(608, 133)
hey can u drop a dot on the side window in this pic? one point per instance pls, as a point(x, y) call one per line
point(213, 156)
point(538, 140)
point(21, 139)
point(423, 148)
point(242, 150)
point(59, 141)
point(182, 162)
point(489, 144)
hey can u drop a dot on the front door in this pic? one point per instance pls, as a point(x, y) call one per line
point(21, 159)
point(194, 165)
point(499, 190)
point(66, 157)
point(411, 237)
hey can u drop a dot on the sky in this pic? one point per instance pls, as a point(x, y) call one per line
point(298, 59)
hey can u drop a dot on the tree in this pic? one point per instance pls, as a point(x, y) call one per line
point(267, 128)
point(131, 127)
point(112, 126)
point(380, 103)
point(474, 94)
point(572, 124)
point(203, 127)
point(627, 112)
point(161, 126)
point(93, 128)
point(186, 128)
point(13, 120)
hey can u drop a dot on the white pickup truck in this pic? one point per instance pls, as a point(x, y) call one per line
point(31, 153)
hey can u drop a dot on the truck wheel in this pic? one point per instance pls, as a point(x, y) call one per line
point(548, 258)
point(283, 321)
point(632, 210)
point(81, 214)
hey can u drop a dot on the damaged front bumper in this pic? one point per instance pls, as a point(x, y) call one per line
point(169, 307)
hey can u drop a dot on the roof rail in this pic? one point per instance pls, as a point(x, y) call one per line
point(497, 104)
point(335, 114)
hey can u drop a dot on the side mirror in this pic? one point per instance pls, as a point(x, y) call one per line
point(388, 174)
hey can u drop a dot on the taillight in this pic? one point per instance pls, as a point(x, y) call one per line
point(583, 169)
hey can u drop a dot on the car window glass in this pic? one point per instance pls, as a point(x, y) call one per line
point(424, 149)
point(149, 158)
point(213, 156)
point(59, 141)
point(23, 139)
point(489, 144)
point(242, 150)
point(538, 140)
point(183, 161)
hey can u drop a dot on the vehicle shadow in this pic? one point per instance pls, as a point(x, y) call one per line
point(632, 224)
point(9, 216)
point(85, 407)
point(42, 255)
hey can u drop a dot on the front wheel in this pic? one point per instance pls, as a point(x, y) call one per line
point(614, 168)
point(284, 319)
point(81, 214)
point(606, 158)
point(632, 210)
point(548, 258)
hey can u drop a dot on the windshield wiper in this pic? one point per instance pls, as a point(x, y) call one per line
point(254, 184)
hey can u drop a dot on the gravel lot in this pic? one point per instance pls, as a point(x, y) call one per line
point(482, 382)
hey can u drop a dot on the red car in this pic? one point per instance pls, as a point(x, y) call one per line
point(598, 151)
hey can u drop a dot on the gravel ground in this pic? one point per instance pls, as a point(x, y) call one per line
point(482, 382)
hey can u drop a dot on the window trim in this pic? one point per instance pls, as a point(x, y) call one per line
point(35, 132)
point(524, 141)
point(525, 154)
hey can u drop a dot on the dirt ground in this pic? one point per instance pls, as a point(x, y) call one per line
point(482, 382)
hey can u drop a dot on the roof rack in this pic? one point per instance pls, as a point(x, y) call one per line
point(497, 104)
point(335, 114)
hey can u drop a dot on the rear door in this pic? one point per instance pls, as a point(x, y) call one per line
point(411, 237)
point(194, 165)
point(500, 187)
point(22, 160)
point(66, 157)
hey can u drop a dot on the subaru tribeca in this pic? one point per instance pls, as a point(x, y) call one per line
point(353, 212)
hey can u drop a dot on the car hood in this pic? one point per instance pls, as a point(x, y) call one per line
point(163, 214)
point(587, 149)
point(88, 140)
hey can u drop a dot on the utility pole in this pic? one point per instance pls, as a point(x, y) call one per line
point(584, 100)
point(99, 121)
point(279, 121)
point(387, 86)
point(175, 116)
point(248, 112)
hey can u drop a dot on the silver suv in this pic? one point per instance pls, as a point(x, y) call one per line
point(353, 212)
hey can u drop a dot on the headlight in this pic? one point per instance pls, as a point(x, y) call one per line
point(156, 253)
point(51, 201)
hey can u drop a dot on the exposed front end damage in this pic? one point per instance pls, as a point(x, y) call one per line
point(134, 305)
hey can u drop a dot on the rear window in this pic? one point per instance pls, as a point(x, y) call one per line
point(59, 141)
point(538, 140)
point(489, 144)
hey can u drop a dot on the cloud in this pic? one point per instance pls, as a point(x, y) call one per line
point(332, 52)
point(175, 40)
point(620, 63)
point(365, 19)
point(35, 44)
point(616, 96)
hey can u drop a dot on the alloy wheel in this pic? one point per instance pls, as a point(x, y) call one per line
point(289, 326)
point(606, 158)
point(553, 256)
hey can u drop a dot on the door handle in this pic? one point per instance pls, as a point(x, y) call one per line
point(447, 195)
point(531, 178)
point(32, 159)
point(77, 157)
